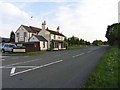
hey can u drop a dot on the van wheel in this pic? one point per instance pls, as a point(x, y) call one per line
point(3, 51)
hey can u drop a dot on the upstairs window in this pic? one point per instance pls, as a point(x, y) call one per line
point(17, 34)
point(58, 37)
point(25, 34)
point(54, 36)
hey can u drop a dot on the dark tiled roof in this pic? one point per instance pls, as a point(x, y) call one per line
point(35, 29)
point(40, 38)
point(27, 28)
point(55, 32)
point(32, 29)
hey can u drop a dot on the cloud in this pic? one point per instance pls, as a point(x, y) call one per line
point(40, 1)
point(88, 19)
point(12, 10)
point(11, 16)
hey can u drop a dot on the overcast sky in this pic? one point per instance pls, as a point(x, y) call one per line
point(87, 19)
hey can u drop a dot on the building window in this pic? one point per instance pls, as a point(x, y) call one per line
point(56, 44)
point(25, 34)
point(54, 36)
point(61, 38)
point(17, 34)
point(58, 37)
point(43, 44)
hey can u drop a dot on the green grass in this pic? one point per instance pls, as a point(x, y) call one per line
point(76, 47)
point(106, 73)
point(24, 54)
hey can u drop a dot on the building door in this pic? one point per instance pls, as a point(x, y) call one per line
point(59, 45)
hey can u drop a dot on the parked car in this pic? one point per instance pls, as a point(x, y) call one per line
point(7, 47)
point(1, 46)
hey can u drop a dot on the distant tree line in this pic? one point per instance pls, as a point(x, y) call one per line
point(113, 34)
point(76, 41)
point(99, 42)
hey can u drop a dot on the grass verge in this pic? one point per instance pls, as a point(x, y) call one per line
point(24, 54)
point(76, 47)
point(106, 73)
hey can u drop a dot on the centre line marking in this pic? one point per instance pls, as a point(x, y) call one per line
point(15, 58)
point(78, 55)
point(89, 51)
point(36, 68)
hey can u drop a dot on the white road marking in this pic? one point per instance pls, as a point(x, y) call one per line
point(22, 62)
point(89, 51)
point(12, 70)
point(15, 58)
point(36, 68)
point(2, 59)
point(78, 55)
point(19, 67)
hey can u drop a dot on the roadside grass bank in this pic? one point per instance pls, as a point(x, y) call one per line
point(77, 47)
point(24, 54)
point(106, 72)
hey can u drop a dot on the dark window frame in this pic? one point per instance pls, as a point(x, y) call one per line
point(17, 34)
point(43, 44)
point(25, 34)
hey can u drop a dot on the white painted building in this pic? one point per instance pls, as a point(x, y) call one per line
point(52, 39)
point(24, 33)
point(42, 40)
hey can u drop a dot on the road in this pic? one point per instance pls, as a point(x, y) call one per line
point(54, 69)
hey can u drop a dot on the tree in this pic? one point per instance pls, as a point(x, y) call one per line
point(82, 42)
point(87, 43)
point(105, 42)
point(97, 42)
point(72, 40)
point(113, 34)
point(12, 36)
point(76, 41)
point(66, 42)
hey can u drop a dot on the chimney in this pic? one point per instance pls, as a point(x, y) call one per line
point(43, 25)
point(47, 28)
point(58, 28)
